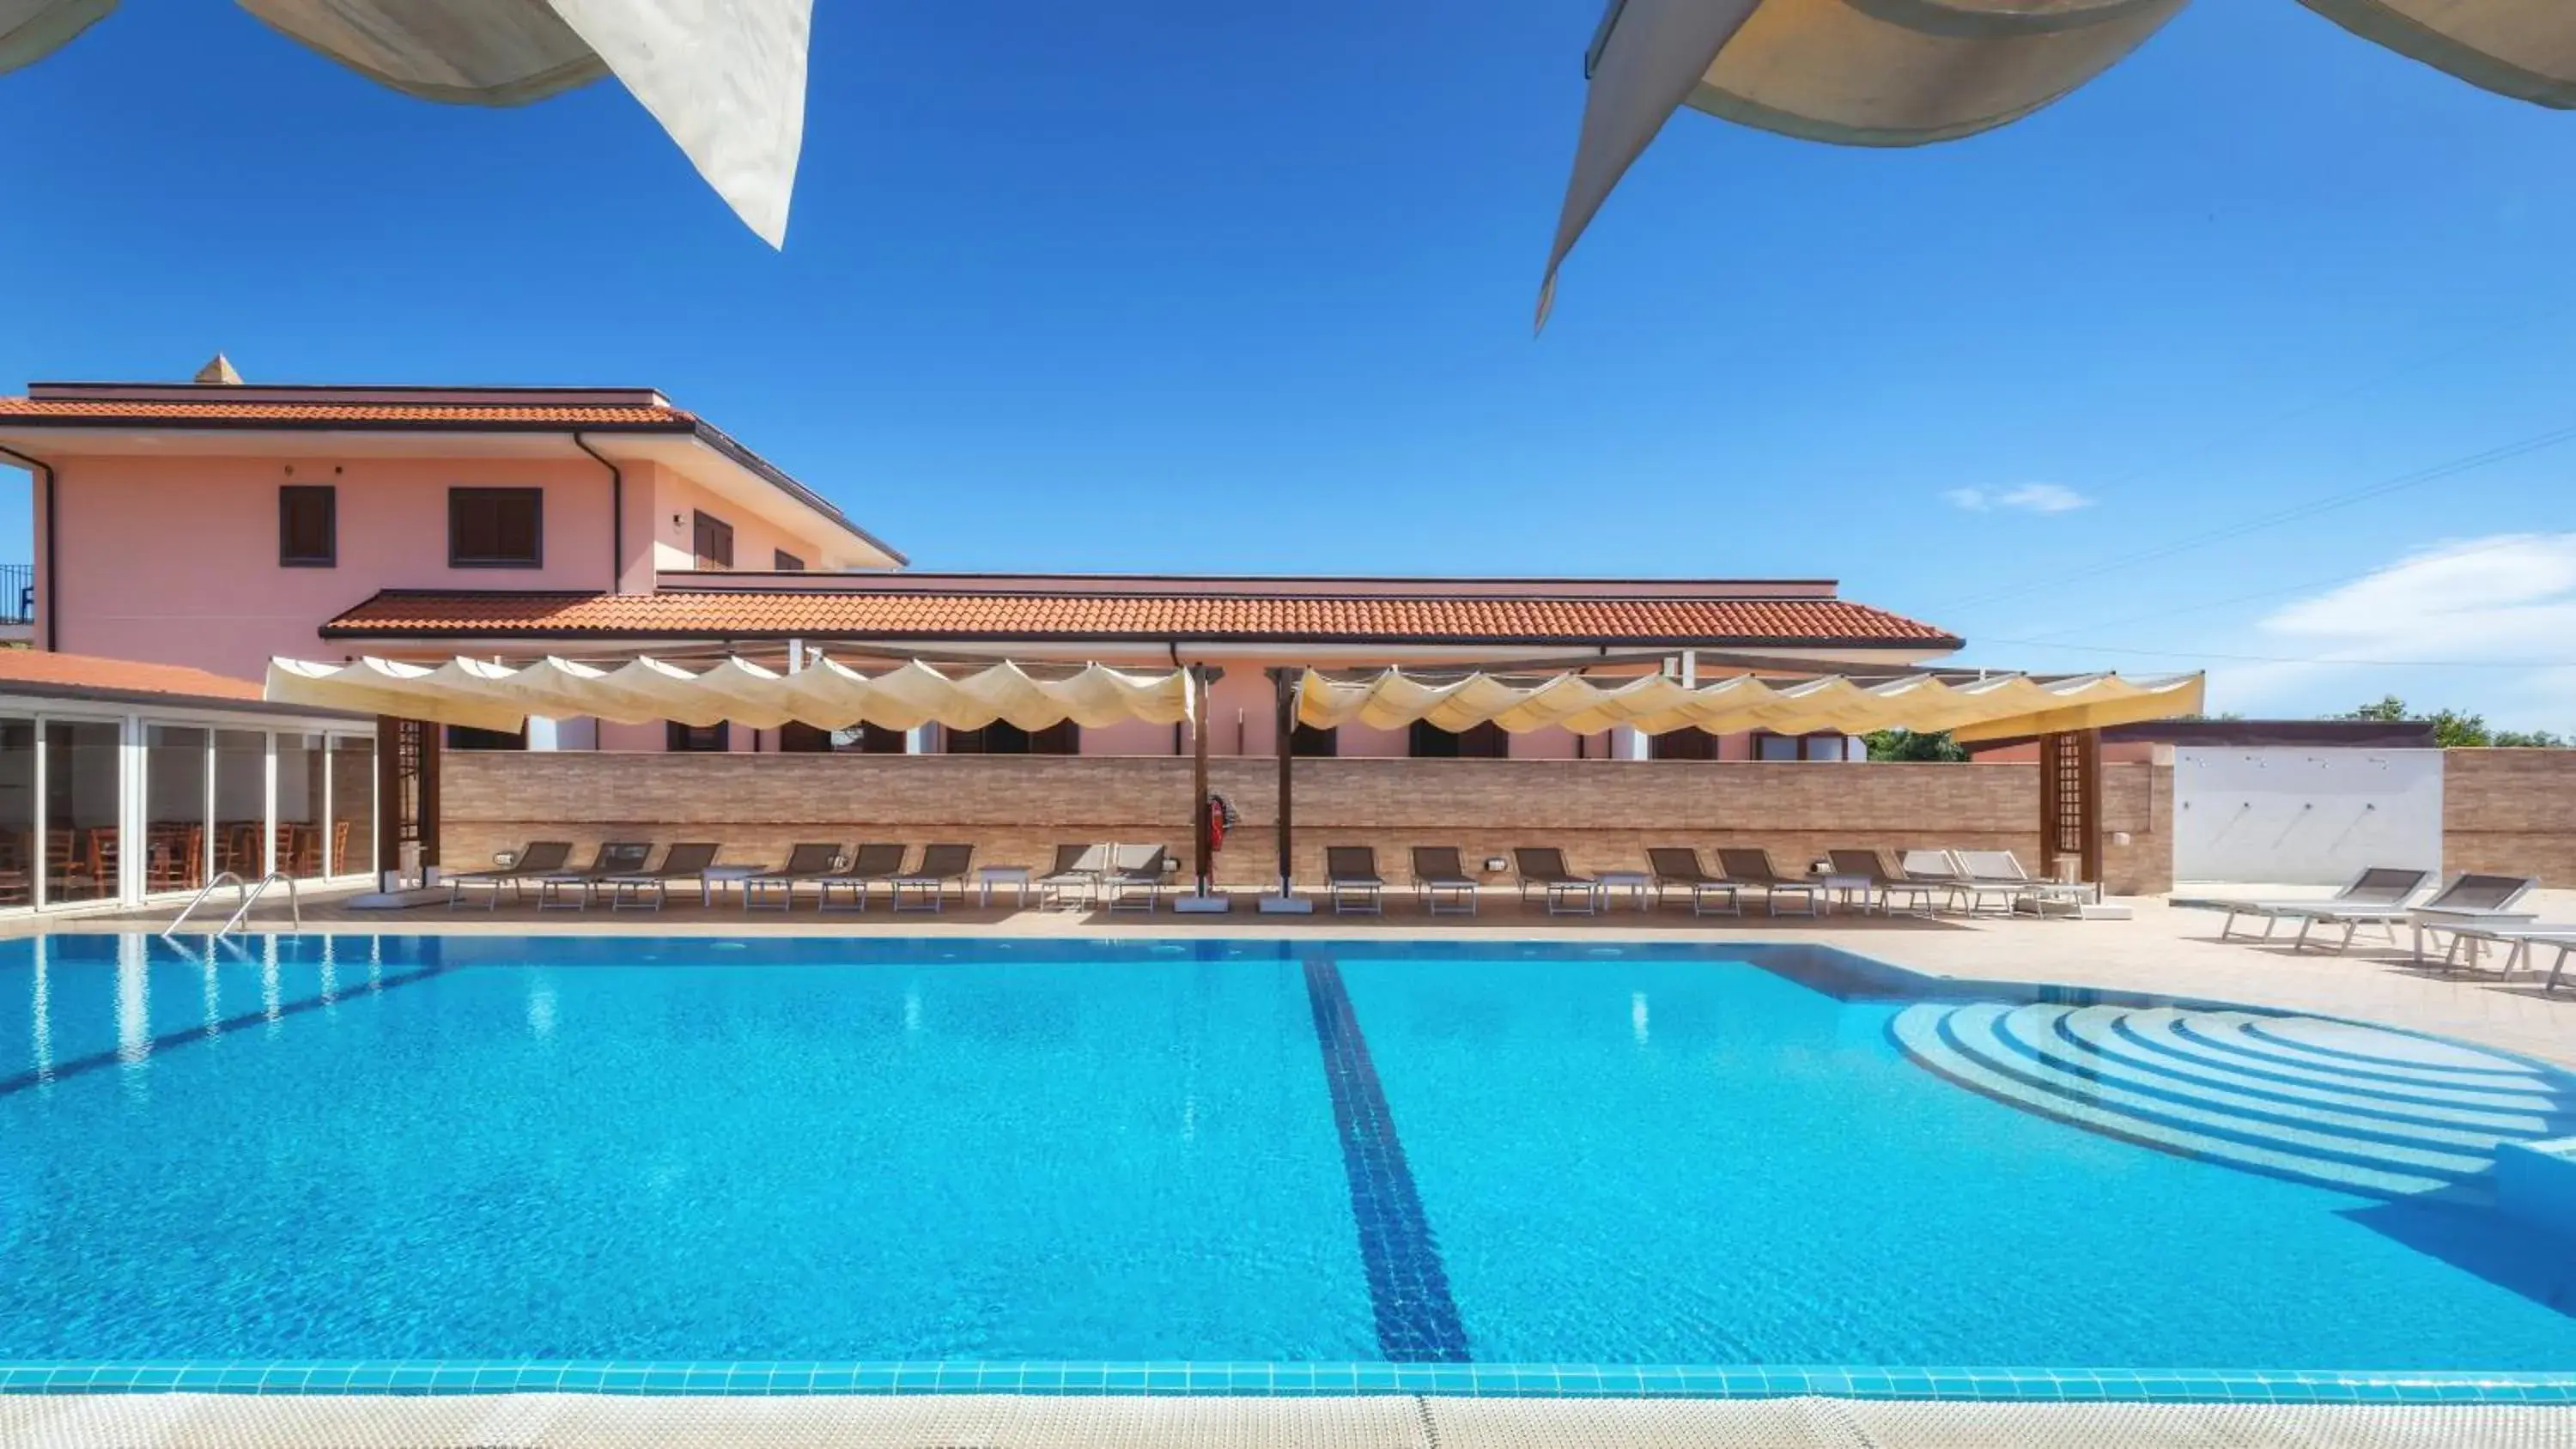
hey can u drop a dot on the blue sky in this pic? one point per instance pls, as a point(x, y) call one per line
point(1167, 286)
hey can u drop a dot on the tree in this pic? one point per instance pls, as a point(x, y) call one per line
point(1908, 745)
point(2453, 730)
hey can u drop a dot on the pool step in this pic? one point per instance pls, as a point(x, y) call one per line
point(2354, 1108)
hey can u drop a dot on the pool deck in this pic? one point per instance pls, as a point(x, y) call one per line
point(2163, 951)
point(577, 1421)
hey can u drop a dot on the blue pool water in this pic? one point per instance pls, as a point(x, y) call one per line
point(498, 1148)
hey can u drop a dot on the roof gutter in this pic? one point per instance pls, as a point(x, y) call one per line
point(616, 513)
point(53, 576)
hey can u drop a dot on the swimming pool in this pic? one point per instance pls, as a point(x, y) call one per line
point(373, 1152)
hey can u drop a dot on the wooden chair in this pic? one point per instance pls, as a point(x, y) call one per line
point(339, 863)
point(17, 886)
point(101, 844)
point(67, 876)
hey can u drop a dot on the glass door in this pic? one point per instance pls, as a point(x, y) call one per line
point(177, 770)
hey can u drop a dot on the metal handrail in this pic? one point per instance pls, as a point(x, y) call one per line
point(241, 888)
point(293, 900)
point(247, 896)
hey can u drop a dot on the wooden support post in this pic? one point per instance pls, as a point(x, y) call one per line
point(1284, 686)
point(1203, 813)
point(406, 790)
point(2070, 804)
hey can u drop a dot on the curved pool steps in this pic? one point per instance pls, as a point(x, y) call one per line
point(2339, 1105)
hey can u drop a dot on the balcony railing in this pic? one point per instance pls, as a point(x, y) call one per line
point(17, 594)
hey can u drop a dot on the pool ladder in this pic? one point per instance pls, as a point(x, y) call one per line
point(247, 894)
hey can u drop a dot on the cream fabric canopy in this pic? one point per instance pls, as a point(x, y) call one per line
point(726, 78)
point(1907, 72)
point(830, 695)
point(1996, 707)
point(824, 694)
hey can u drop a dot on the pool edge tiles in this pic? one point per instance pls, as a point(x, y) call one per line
point(628, 1378)
point(1417, 1319)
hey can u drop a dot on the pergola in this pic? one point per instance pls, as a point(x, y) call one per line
point(1651, 694)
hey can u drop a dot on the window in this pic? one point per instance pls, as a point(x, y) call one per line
point(467, 737)
point(495, 528)
point(713, 541)
point(1308, 742)
point(798, 738)
point(308, 526)
point(1479, 742)
point(1768, 746)
point(1685, 743)
point(1003, 738)
point(785, 562)
point(684, 739)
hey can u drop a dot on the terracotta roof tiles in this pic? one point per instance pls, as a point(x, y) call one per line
point(859, 613)
point(40, 670)
point(149, 410)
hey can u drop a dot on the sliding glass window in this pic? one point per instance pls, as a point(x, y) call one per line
point(353, 804)
point(18, 854)
point(83, 766)
point(175, 841)
point(241, 803)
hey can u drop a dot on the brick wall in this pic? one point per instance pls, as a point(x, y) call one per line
point(1016, 808)
point(2510, 811)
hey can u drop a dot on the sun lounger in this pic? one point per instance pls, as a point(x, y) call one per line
point(1135, 874)
point(1890, 886)
point(651, 889)
point(614, 858)
point(1076, 873)
point(941, 866)
point(1351, 880)
point(1993, 875)
point(542, 857)
point(2470, 900)
point(1753, 867)
point(2378, 886)
point(868, 864)
point(1439, 876)
point(812, 860)
point(1677, 868)
point(2521, 940)
point(1932, 871)
point(1542, 867)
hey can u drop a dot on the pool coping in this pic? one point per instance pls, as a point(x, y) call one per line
point(400, 1378)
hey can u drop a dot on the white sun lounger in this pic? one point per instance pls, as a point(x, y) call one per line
point(2380, 885)
point(2470, 900)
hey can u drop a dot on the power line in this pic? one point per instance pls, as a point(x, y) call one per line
point(2449, 469)
point(2519, 324)
point(2161, 615)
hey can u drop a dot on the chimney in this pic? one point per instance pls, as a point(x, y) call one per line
point(219, 370)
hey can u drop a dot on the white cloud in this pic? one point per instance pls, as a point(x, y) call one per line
point(2506, 600)
point(2028, 498)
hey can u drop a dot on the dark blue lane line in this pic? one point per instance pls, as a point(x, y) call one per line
point(207, 1031)
point(1417, 1322)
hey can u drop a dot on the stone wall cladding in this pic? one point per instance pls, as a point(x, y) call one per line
point(2512, 812)
point(1015, 809)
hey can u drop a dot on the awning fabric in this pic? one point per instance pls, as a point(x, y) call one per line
point(1908, 72)
point(825, 694)
point(726, 78)
point(1969, 707)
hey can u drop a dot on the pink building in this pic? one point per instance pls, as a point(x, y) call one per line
point(217, 525)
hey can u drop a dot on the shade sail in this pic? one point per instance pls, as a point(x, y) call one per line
point(1909, 72)
point(1970, 707)
point(826, 694)
point(725, 78)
